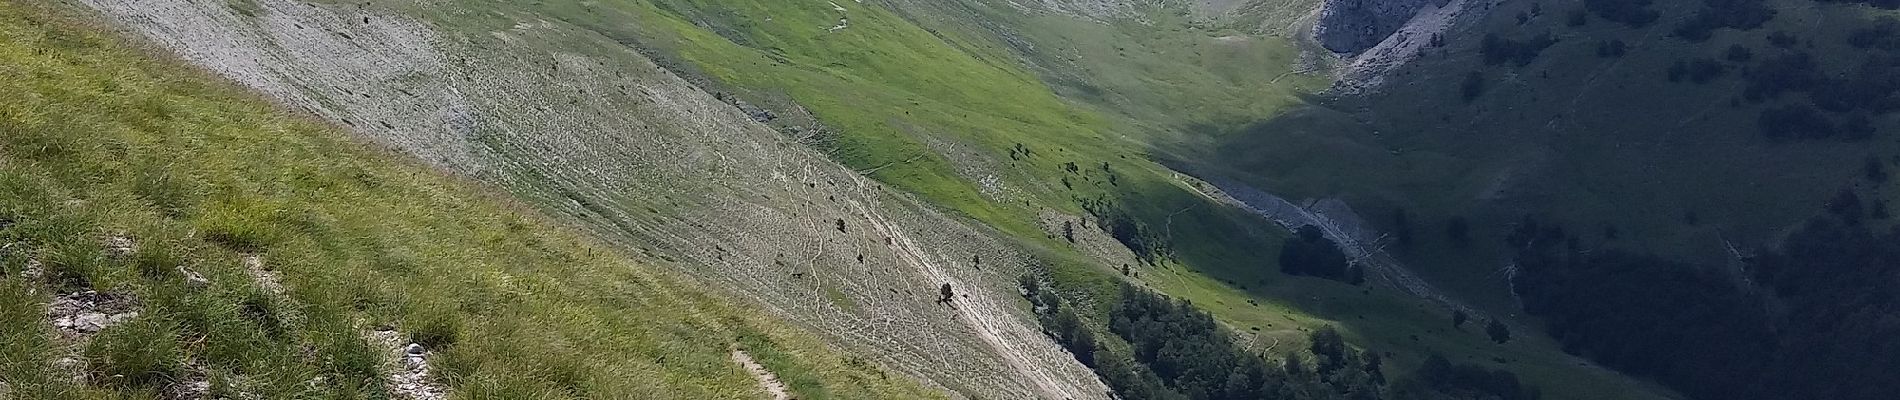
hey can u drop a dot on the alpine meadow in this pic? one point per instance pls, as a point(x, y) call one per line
point(949, 199)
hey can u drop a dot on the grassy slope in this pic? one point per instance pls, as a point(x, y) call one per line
point(101, 140)
point(882, 77)
point(1589, 141)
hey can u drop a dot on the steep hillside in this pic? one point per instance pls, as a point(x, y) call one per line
point(908, 178)
point(1600, 163)
point(164, 235)
point(584, 127)
point(876, 99)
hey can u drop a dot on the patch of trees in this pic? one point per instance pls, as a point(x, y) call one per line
point(1196, 358)
point(1402, 228)
point(1472, 87)
point(1774, 76)
point(1872, 87)
point(1812, 319)
point(1635, 13)
point(1849, 97)
point(1739, 54)
point(1149, 246)
point(1881, 4)
point(1798, 121)
point(1178, 352)
point(1612, 48)
point(1498, 332)
point(1498, 49)
point(1438, 378)
point(1175, 351)
point(1459, 231)
point(1884, 34)
point(1310, 253)
point(1699, 70)
point(1732, 14)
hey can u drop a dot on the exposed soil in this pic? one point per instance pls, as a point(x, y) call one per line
point(767, 380)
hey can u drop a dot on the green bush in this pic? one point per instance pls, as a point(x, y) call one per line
point(143, 352)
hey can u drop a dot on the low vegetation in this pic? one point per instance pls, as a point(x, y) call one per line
point(1310, 253)
point(1162, 348)
point(127, 175)
point(1806, 320)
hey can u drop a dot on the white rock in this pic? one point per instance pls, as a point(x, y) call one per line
point(91, 322)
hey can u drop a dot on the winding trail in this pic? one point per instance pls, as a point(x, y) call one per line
point(767, 380)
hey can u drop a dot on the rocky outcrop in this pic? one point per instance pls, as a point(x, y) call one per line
point(1352, 26)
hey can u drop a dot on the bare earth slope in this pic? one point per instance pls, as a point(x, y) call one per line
point(586, 127)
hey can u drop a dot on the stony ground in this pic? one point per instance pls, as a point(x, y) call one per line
point(590, 129)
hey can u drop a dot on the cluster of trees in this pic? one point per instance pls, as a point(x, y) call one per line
point(1472, 87)
point(1438, 378)
point(1840, 103)
point(1801, 121)
point(1732, 14)
point(1882, 4)
point(1700, 70)
point(1498, 49)
point(1635, 13)
point(1612, 48)
point(1883, 34)
point(1310, 253)
point(1175, 351)
point(1813, 319)
point(1194, 357)
point(1148, 245)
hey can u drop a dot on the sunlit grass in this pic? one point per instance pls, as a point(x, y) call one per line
point(101, 140)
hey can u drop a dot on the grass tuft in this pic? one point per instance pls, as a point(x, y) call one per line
point(142, 353)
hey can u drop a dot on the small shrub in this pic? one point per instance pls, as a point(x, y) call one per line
point(1472, 87)
point(1498, 332)
point(264, 312)
point(1612, 48)
point(1737, 53)
point(172, 196)
point(1634, 13)
point(1795, 122)
point(142, 353)
point(157, 261)
point(436, 329)
point(349, 356)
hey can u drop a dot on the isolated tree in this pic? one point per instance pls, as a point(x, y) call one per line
point(1310, 253)
point(1401, 227)
point(1875, 170)
point(1737, 53)
point(1329, 347)
point(947, 294)
point(1846, 205)
point(1459, 231)
point(1498, 332)
point(1030, 285)
point(1472, 87)
point(1458, 318)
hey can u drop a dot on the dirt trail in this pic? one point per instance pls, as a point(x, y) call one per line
point(767, 380)
point(1008, 337)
